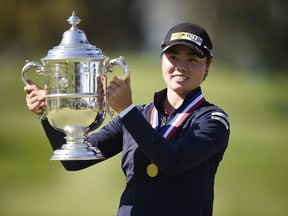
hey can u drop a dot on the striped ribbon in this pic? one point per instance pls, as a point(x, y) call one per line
point(178, 118)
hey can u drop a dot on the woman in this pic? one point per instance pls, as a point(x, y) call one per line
point(170, 148)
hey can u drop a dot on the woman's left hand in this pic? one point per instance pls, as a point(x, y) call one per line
point(119, 94)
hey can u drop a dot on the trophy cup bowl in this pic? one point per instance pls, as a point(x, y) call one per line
point(75, 78)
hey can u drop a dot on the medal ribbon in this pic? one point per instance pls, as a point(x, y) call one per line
point(170, 128)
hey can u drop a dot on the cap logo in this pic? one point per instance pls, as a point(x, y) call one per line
point(186, 36)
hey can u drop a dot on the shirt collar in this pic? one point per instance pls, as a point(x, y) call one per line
point(161, 95)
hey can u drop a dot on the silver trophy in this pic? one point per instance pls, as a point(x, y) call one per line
point(75, 79)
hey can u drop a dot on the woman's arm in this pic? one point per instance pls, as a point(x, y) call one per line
point(205, 138)
point(108, 140)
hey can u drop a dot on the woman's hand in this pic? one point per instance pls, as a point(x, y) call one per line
point(35, 98)
point(119, 93)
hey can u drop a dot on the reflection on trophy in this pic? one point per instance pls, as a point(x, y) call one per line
point(75, 76)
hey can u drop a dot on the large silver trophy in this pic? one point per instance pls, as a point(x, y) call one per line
point(75, 78)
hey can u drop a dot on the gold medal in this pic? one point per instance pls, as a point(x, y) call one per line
point(152, 170)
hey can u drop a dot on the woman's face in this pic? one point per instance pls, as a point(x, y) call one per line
point(182, 70)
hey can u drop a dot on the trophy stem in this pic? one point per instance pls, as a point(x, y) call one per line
point(76, 148)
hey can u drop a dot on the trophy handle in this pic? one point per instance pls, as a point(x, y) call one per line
point(27, 67)
point(118, 61)
point(111, 63)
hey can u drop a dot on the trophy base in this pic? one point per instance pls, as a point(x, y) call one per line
point(65, 154)
point(76, 148)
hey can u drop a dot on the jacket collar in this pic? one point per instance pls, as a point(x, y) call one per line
point(161, 95)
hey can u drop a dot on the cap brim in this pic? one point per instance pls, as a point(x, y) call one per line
point(195, 49)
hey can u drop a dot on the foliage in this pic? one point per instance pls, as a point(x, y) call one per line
point(248, 34)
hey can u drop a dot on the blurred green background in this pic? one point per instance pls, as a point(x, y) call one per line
point(248, 79)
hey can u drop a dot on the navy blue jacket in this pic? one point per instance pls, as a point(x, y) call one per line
point(187, 162)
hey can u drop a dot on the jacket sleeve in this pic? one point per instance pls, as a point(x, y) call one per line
point(107, 140)
point(205, 138)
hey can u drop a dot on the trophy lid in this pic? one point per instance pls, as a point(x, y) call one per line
point(74, 45)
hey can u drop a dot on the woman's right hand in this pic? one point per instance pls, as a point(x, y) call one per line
point(35, 98)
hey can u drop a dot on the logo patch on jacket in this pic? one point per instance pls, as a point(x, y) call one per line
point(222, 118)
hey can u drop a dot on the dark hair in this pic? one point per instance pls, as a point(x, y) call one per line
point(208, 61)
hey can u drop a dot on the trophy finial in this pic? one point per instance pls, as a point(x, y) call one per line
point(74, 20)
point(74, 44)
